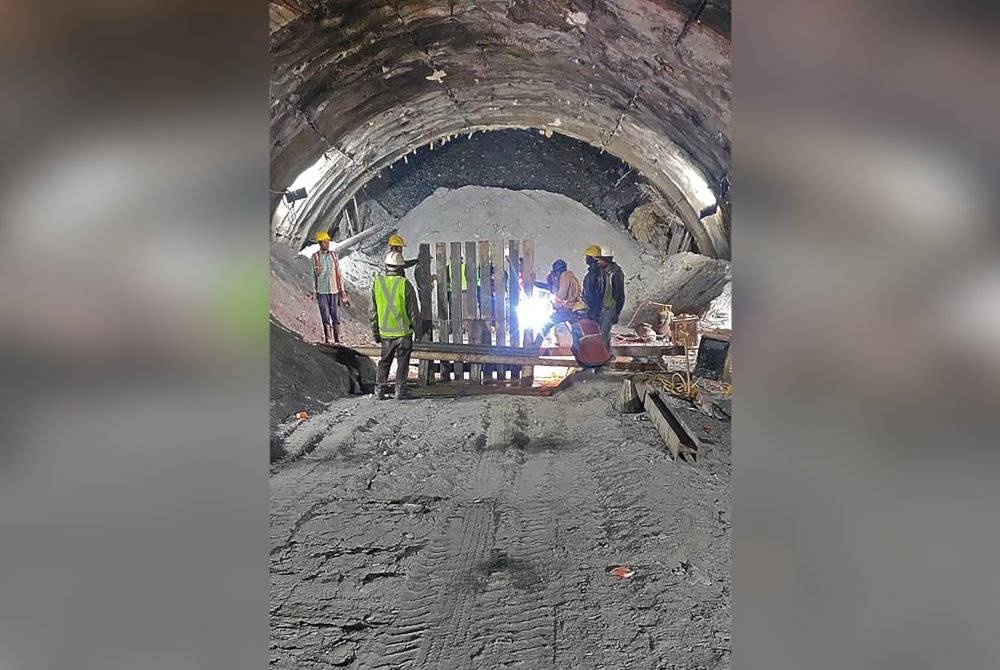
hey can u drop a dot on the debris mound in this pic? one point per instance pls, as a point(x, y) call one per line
point(305, 379)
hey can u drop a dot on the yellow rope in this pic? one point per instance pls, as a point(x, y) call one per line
point(680, 384)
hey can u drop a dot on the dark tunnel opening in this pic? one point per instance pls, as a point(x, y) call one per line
point(514, 159)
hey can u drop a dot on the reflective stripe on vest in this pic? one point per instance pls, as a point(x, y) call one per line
point(390, 305)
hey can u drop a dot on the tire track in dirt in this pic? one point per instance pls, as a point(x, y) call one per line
point(437, 603)
point(520, 587)
point(348, 465)
point(516, 506)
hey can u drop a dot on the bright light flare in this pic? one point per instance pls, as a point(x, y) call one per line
point(534, 311)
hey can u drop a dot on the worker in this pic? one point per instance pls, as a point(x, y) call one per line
point(395, 320)
point(566, 302)
point(611, 288)
point(328, 287)
point(591, 283)
point(396, 243)
point(461, 271)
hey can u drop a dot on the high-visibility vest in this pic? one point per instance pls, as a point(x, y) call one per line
point(390, 306)
point(465, 281)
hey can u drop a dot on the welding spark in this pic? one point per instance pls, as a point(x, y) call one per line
point(533, 311)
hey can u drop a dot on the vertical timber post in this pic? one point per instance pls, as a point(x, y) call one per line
point(455, 308)
point(528, 273)
point(470, 306)
point(513, 297)
point(484, 296)
point(441, 267)
point(423, 277)
point(499, 298)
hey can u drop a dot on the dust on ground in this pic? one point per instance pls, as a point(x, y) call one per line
point(480, 533)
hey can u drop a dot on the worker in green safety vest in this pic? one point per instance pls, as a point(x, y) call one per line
point(465, 281)
point(395, 320)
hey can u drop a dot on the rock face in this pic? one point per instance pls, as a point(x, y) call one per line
point(368, 82)
point(689, 282)
point(513, 159)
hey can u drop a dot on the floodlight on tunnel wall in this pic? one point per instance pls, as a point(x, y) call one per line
point(295, 194)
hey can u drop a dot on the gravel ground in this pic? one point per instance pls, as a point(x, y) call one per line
point(479, 533)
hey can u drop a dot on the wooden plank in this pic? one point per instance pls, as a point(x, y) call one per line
point(428, 352)
point(486, 339)
point(422, 275)
point(678, 439)
point(528, 275)
point(499, 291)
point(470, 305)
point(455, 307)
point(441, 267)
point(686, 240)
point(513, 297)
point(485, 299)
point(675, 239)
point(477, 357)
point(499, 288)
point(634, 351)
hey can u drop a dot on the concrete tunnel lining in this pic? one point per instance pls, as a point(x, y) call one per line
point(360, 92)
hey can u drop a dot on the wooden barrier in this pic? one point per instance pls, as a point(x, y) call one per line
point(469, 294)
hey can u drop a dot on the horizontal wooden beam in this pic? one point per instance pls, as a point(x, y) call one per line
point(630, 350)
point(680, 441)
point(423, 352)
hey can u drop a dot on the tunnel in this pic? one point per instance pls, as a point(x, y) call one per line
point(465, 519)
point(358, 86)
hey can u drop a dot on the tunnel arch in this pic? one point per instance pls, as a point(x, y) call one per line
point(366, 83)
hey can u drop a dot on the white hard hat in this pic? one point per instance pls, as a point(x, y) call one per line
point(607, 251)
point(394, 259)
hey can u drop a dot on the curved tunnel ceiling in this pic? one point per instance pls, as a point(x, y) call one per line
point(366, 83)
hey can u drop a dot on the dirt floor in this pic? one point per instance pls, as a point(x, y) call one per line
point(479, 533)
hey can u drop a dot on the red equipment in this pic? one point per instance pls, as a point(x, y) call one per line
point(588, 345)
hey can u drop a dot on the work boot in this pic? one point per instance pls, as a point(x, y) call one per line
point(336, 334)
point(379, 392)
point(402, 393)
point(326, 333)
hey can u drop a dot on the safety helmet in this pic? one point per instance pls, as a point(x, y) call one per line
point(322, 236)
point(396, 240)
point(559, 265)
point(394, 259)
point(606, 252)
point(592, 250)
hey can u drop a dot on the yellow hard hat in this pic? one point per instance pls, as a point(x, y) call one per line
point(322, 236)
point(396, 240)
point(592, 250)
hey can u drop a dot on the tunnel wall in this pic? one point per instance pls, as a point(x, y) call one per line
point(369, 82)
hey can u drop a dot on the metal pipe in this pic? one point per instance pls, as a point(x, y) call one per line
point(360, 237)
